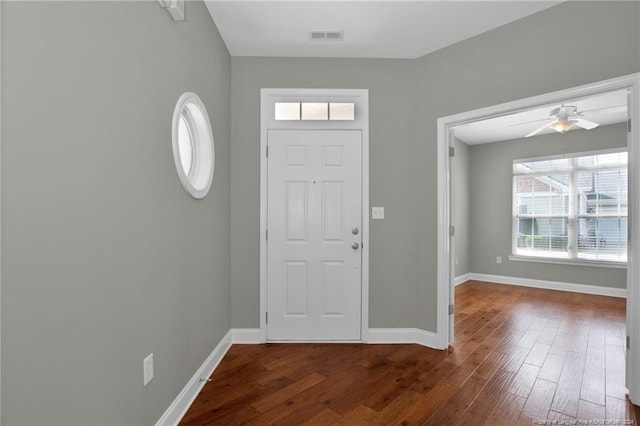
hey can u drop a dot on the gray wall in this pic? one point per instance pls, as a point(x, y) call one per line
point(461, 199)
point(491, 167)
point(509, 63)
point(406, 99)
point(392, 137)
point(105, 258)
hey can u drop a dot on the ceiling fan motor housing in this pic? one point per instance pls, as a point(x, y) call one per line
point(564, 112)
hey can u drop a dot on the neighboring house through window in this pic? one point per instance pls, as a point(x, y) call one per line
point(571, 207)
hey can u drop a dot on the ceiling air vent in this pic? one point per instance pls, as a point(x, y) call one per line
point(326, 35)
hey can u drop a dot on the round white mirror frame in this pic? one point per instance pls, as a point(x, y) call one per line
point(191, 110)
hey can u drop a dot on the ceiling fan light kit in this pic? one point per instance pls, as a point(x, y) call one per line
point(562, 126)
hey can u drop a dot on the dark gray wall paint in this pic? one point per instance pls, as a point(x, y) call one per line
point(461, 207)
point(105, 258)
point(490, 201)
point(406, 99)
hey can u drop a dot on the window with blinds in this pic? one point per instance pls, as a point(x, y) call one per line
point(571, 207)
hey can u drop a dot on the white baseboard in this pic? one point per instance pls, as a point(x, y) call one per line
point(391, 335)
point(245, 335)
point(551, 285)
point(461, 279)
point(428, 339)
point(374, 335)
point(183, 401)
point(403, 335)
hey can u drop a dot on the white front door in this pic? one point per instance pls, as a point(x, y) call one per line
point(314, 241)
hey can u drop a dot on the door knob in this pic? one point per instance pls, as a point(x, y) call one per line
point(355, 231)
point(355, 246)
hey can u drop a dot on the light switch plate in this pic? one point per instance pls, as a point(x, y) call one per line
point(147, 367)
point(377, 212)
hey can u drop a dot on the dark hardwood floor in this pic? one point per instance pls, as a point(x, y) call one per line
point(520, 356)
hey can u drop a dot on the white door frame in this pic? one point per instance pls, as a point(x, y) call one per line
point(0, 206)
point(444, 278)
point(267, 122)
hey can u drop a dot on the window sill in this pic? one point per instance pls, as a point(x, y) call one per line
point(576, 262)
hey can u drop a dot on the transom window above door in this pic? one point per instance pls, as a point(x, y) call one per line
point(318, 111)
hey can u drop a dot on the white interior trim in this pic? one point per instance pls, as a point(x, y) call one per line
point(633, 261)
point(392, 335)
point(185, 398)
point(245, 335)
point(376, 335)
point(444, 222)
point(444, 279)
point(551, 285)
point(428, 339)
point(404, 336)
point(179, 407)
point(461, 279)
point(0, 207)
point(561, 261)
point(361, 98)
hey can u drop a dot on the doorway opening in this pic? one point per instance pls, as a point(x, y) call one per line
point(446, 241)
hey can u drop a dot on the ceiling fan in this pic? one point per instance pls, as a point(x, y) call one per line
point(565, 118)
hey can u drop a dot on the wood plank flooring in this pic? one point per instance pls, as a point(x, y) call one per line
point(520, 356)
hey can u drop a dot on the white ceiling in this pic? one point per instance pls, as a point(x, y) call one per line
point(393, 29)
point(372, 29)
point(604, 109)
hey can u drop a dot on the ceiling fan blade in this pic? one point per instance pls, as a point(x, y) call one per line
point(611, 109)
point(539, 129)
point(530, 122)
point(586, 124)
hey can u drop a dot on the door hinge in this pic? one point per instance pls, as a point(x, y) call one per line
point(629, 343)
point(452, 231)
point(629, 125)
point(266, 234)
point(452, 151)
point(266, 317)
point(267, 151)
point(451, 309)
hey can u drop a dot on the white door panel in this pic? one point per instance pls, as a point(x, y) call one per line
point(314, 204)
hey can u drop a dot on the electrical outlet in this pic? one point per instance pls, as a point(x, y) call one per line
point(147, 369)
point(498, 259)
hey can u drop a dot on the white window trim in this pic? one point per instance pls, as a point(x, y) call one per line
point(572, 170)
point(562, 261)
point(199, 132)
